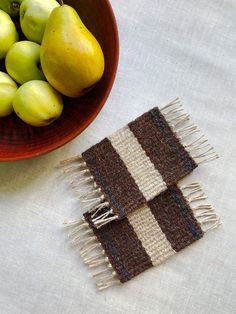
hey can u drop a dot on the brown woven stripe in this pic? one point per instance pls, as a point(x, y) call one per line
point(175, 218)
point(149, 235)
point(123, 248)
point(112, 176)
point(162, 147)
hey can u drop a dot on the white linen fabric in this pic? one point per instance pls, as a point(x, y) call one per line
point(167, 49)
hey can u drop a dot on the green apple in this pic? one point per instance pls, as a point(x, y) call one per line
point(33, 17)
point(11, 7)
point(8, 33)
point(8, 90)
point(38, 103)
point(23, 62)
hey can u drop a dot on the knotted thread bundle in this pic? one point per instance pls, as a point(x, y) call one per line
point(137, 215)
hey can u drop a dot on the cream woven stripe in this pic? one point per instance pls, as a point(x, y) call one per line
point(146, 176)
point(150, 234)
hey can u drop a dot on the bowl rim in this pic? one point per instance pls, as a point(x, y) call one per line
point(73, 135)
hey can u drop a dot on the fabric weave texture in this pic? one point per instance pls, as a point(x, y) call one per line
point(139, 214)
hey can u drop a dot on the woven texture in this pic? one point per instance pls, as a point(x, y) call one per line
point(138, 216)
point(138, 162)
point(149, 235)
point(129, 165)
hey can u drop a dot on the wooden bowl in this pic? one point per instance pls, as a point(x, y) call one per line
point(20, 141)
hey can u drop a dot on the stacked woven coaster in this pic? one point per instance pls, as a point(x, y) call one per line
point(138, 213)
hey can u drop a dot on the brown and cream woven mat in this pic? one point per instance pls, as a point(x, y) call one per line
point(135, 211)
point(138, 162)
point(149, 235)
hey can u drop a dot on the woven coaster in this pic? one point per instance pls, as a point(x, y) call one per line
point(122, 249)
point(132, 166)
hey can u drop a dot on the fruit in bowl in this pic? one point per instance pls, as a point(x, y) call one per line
point(78, 112)
point(34, 15)
point(37, 103)
point(70, 56)
point(11, 7)
point(78, 53)
point(8, 90)
point(23, 63)
point(8, 34)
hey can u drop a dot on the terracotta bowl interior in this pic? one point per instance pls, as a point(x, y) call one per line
point(20, 141)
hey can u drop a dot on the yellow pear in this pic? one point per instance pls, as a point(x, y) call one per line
point(71, 57)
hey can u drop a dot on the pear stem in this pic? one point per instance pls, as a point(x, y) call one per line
point(61, 2)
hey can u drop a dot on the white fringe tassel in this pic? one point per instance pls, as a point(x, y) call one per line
point(89, 194)
point(204, 213)
point(199, 148)
point(92, 254)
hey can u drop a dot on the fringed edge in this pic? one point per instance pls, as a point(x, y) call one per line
point(179, 121)
point(83, 183)
point(103, 218)
point(92, 253)
point(204, 213)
